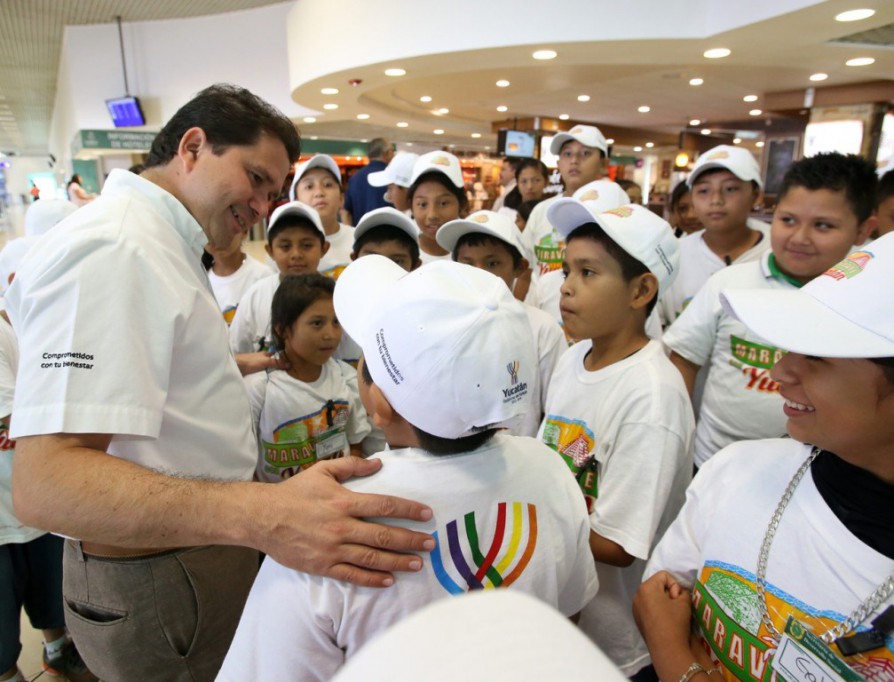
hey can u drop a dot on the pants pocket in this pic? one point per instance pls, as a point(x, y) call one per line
point(177, 605)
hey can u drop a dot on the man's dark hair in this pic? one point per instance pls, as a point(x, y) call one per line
point(885, 188)
point(378, 147)
point(230, 116)
point(435, 444)
point(630, 266)
point(847, 173)
point(387, 233)
point(483, 239)
point(294, 221)
point(441, 179)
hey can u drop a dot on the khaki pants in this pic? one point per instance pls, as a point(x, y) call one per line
point(168, 616)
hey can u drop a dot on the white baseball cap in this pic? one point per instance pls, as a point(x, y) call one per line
point(441, 162)
point(645, 236)
point(295, 208)
point(497, 225)
point(843, 313)
point(44, 214)
point(316, 161)
point(602, 195)
point(398, 172)
point(740, 162)
point(447, 344)
point(11, 256)
point(386, 216)
point(588, 136)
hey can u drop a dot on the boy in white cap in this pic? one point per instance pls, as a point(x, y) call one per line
point(583, 154)
point(390, 233)
point(617, 411)
point(396, 177)
point(807, 586)
point(296, 243)
point(447, 362)
point(436, 196)
point(725, 184)
point(824, 209)
point(490, 241)
point(317, 183)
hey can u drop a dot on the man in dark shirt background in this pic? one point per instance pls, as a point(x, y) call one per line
point(361, 197)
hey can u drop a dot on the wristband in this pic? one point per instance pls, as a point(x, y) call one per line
point(694, 670)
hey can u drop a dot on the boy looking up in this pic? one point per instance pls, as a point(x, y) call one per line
point(296, 243)
point(490, 241)
point(616, 411)
point(824, 208)
point(390, 233)
point(317, 184)
point(447, 362)
point(725, 184)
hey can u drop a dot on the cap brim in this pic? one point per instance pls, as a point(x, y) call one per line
point(298, 209)
point(450, 233)
point(386, 216)
point(380, 178)
point(567, 214)
point(797, 322)
point(357, 292)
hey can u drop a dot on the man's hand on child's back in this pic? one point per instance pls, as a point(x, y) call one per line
point(249, 363)
point(314, 524)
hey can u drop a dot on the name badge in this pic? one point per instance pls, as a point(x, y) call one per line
point(332, 445)
point(804, 657)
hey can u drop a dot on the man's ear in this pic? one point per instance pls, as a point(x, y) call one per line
point(191, 144)
point(643, 289)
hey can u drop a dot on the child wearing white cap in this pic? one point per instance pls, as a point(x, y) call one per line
point(490, 241)
point(448, 360)
point(317, 183)
point(231, 273)
point(824, 209)
point(784, 548)
point(582, 153)
point(725, 184)
point(296, 243)
point(617, 412)
point(390, 233)
point(397, 178)
point(436, 196)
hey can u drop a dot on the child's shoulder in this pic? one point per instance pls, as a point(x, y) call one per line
point(264, 287)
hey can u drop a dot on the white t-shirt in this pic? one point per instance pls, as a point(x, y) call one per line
point(634, 417)
point(120, 334)
point(549, 340)
point(817, 570)
point(338, 257)
point(507, 514)
point(228, 290)
point(299, 423)
point(697, 263)
point(250, 328)
point(542, 241)
point(426, 258)
point(11, 530)
point(740, 400)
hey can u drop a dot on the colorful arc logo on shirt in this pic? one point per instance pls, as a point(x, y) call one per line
point(512, 368)
point(504, 561)
point(851, 266)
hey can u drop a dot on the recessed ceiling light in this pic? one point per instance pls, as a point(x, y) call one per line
point(695, 122)
point(759, 143)
point(717, 53)
point(706, 131)
point(310, 119)
point(425, 98)
point(362, 140)
point(329, 91)
point(755, 112)
point(451, 145)
point(314, 137)
point(402, 124)
point(696, 81)
point(750, 98)
point(564, 117)
point(649, 145)
point(362, 117)
point(503, 83)
point(610, 140)
point(737, 140)
point(330, 106)
point(502, 108)
point(544, 54)
point(854, 15)
point(442, 111)
point(637, 149)
point(583, 98)
point(860, 61)
point(476, 135)
point(819, 77)
point(409, 144)
point(487, 147)
point(438, 131)
point(644, 109)
point(395, 72)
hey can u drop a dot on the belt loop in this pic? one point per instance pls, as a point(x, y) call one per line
point(79, 551)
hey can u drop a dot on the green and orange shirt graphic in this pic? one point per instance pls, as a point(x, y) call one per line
point(463, 560)
point(575, 442)
point(755, 360)
point(550, 251)
point(727, 616)
point(300, 442)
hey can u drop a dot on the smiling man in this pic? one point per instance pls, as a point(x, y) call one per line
point(134, 430)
